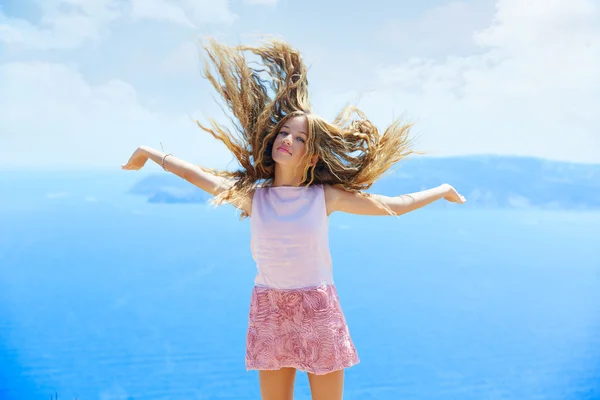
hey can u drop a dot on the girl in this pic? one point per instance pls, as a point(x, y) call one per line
point(296, 169)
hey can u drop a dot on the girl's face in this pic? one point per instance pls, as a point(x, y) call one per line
point(290, 143)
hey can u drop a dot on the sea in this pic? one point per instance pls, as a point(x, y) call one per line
point(106, 296)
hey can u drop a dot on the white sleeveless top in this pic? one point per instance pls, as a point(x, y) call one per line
point(289, 230)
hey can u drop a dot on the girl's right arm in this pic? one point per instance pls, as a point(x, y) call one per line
point(192, 173)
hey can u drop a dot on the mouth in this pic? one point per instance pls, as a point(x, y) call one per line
point(284, 150)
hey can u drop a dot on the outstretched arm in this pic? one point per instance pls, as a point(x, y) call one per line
point(190, 172)
point(339, 199)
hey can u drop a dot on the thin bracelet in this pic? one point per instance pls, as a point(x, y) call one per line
point(163, 160)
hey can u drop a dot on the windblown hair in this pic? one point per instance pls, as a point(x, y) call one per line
point(351, 151)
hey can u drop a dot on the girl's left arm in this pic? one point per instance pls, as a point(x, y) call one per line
point(339, 199)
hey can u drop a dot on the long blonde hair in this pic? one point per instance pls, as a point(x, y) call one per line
point(351, 151)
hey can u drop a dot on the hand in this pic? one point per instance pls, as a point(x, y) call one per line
point(137, 160)
point(451, 195)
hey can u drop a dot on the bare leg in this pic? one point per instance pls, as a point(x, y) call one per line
point(277, 385)
point(327, 387)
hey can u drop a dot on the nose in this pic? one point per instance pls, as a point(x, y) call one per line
point(287, 139)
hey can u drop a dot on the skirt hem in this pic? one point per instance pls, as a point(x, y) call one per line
point(302, 368)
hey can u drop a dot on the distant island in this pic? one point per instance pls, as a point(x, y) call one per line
point(486, 181)
point(168, 188)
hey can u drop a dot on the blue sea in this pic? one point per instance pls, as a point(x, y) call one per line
point(105, 296)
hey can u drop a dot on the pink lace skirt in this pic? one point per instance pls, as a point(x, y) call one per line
point(299, 328)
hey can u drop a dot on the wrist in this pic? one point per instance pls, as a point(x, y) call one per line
point(444, 189)
point(147, 151)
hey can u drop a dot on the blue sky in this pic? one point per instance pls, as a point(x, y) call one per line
point(84, 82)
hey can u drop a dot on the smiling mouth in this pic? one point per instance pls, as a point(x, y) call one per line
point(284, 150)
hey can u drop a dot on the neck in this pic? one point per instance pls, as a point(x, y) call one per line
point(287, 176)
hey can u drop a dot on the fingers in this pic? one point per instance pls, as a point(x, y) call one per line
point(460, 198)
point(457, 198)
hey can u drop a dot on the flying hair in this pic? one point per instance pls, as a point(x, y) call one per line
point(262, 96)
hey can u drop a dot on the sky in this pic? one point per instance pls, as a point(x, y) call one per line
point(83, 83)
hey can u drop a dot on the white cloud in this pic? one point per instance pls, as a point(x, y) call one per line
point(68, 24)
point(185, 58)
point(9, 34)
point(185, 12)
point(439, 31)
point(64, 24)
point(533, 90)
point(522, 80)
point(209, 11)
point(520, 26)
point(47, 106)
point(160, 10)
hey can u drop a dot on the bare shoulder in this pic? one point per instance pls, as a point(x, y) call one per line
point(246, 203)
point(337, 198)
point(332, 191)
point(240, 201)
point(333, 195)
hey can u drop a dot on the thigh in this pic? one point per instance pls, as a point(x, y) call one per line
point(278, 384)
point(327, 387)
